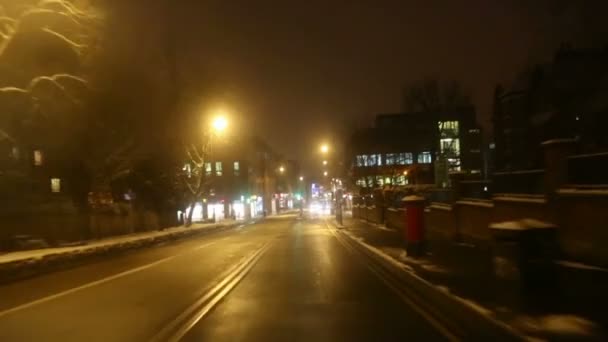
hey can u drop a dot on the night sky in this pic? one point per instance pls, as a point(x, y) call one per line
point(295, 71)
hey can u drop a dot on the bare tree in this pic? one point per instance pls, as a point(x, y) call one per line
point(46, 53)
point(436, 98)
point(31, 34)
point(431, 95)
point(194, 178)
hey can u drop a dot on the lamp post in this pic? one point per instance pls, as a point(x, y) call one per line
point(219, 124)
point(336, 192)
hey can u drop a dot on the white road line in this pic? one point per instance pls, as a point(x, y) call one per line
point(98, 282)
point(443, 330)
point(180, 326)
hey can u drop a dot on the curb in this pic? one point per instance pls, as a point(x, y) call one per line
point(466, 322)
point(30, 267)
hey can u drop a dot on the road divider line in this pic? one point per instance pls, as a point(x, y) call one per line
point(99, 282)
point(391, 284)
point(183, 323)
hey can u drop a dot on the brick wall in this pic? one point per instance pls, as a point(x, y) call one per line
point(395, 218)
point(583, 225)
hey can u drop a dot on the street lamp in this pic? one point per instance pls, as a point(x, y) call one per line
point(301, 179)
point(219, 124)
point(325, 162)
point(281, 169)
point(325, 173)
point(324, 148)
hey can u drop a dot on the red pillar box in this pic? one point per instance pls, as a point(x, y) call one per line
point(414, 224)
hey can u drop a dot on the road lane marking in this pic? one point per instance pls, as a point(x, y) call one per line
point(100, 281)
point(443, 330)
point(182, 324)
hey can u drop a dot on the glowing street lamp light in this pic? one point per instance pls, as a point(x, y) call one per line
point(281, 169)
point(219, 124)
point(301, 179)
point(325, 173)
point(325, 162)
point(324, 148)
point(405, 173)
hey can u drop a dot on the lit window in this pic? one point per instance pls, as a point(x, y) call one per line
point(424, 158)
point(387, 180)
point(370, 182)
point(454, 164)
point(390, 158)
point(379, 181)
point(218, 168)
point(55, 185)
point(237, 168)
point(15, 152)
point(364, 160)
point(361, 182)
point(406, 158)
point(37, 157)
point(450, 147)
point(401, 180)
point(360, 160)
point(474, 130)
point(208, 169)
point(448, 128)
point(374, 160)
point(475, 171)
point(492, 146)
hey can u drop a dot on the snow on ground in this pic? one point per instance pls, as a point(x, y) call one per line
point(579, 265)
point(435, 268)
point(379, 226)
point(557, 324)
point(392, 260)
point(116, 240)
point(379, 252)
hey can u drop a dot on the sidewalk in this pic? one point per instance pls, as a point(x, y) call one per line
point(24, 263)
point(575, 309)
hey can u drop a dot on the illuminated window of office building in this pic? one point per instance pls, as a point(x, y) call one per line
point(370, 182)
point(401, 180)
point(424, 158)
point(208, 169)
point(38, 158)
point(237, 168)
point(360, 160)
point(218, 168)
point(55, 185)
point(405, 158)
point(448, 128)
point(15, 152)
point(390, 158)
point(374, 160)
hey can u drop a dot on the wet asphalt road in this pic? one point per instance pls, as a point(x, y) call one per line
point(277, 280)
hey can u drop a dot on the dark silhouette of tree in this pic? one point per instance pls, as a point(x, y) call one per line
point(436, 98)
point(431, 95)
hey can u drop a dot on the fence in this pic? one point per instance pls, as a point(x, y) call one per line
point(519, 182)
point(588, 169)
point(479, 189)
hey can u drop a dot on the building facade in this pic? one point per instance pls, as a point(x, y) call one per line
point(566, 98)
point(409, 148)
point(247, 179)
